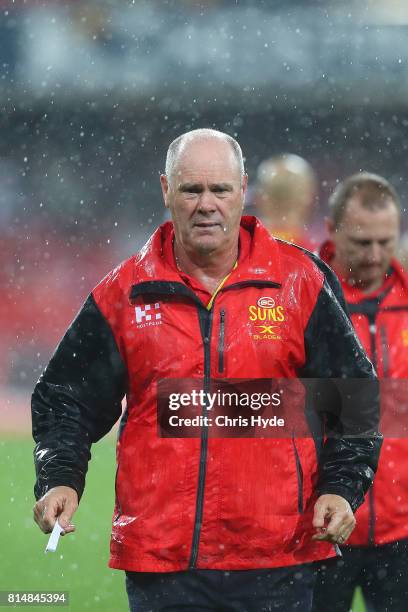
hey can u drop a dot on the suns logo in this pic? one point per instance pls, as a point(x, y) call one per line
point(264, 314)
point(266, 302)
point(276, 314)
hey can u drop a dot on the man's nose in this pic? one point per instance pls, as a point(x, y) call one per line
point(375, 253)
point(207, 202)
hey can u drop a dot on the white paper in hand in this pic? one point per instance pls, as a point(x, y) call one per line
point(54, 537)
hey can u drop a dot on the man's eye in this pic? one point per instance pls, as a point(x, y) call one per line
point(362, 243)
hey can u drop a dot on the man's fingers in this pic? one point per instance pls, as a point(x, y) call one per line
point(66, 525)
point(319, 516)
point(59, 502)
point(65, 517)
point(339, 529)
point(341, 521)
point(345, 533)
point(336, 524)
point(45, 514)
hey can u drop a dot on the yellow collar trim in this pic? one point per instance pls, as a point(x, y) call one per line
point(219, 286)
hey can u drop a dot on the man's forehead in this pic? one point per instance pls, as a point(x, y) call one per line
point(200, 144)
point(377, 228)
point(357, 216)
point(210, 176)
point(209, 154)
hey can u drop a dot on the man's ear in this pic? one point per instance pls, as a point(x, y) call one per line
point(244, 184)
point(165, 189)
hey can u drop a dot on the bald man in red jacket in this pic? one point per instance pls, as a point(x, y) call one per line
point(203, 522)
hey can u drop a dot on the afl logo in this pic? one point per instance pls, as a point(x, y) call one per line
point(266, 302)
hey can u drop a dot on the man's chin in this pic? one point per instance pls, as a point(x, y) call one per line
point(205, 247)
point(372, 273)
point(372, 277)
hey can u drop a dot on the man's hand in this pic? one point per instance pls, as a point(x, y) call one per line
point(58, 503)
point(333, 519)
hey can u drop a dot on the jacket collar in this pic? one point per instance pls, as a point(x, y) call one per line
point(258, 261)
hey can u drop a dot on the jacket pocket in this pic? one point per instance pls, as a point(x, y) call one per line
point(299, 474)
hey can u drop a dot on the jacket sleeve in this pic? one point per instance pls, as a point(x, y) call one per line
point(349, 455)
point(76, 401)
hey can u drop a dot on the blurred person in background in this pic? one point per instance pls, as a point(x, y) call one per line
point(248, 516)
point(285, 196)
point(402, 253)
point(364, 227)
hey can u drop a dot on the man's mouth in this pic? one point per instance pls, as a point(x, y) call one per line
point(371, 266)
point(206, 224)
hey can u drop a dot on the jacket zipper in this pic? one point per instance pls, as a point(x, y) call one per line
point(371, 502)
point(373, 344)
point(299, 474)
point(205, 326)
point(221, 342)
point(385, 354)
point(371, 496)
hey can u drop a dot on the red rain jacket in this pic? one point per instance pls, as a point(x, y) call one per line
point(219, 503)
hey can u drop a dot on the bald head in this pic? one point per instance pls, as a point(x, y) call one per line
point(286, 188)
point(286, 179)
point(180, 146)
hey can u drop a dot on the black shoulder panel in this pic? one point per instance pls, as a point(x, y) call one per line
point(347, 462)
point(333, 349)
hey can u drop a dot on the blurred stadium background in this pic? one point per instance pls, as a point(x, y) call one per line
point(91, 93)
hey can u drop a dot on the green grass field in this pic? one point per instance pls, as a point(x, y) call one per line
point(80, 564)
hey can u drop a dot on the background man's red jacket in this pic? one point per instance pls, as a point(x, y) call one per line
point(381, 322)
